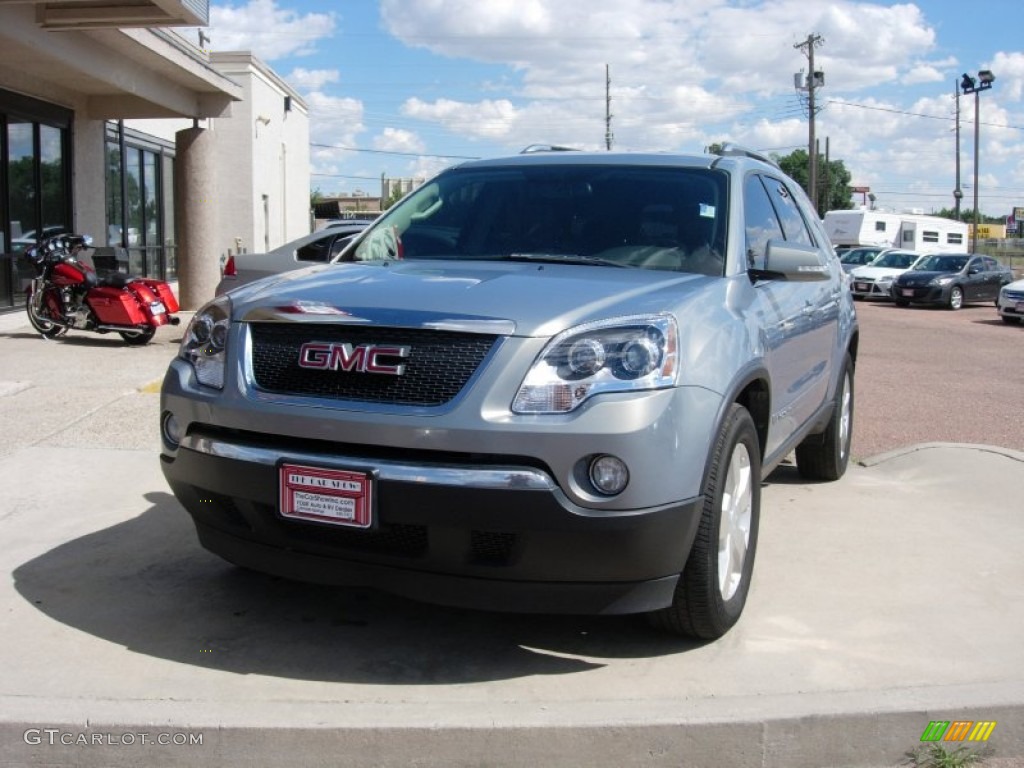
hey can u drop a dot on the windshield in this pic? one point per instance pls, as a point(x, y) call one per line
point(859, 256)
point(940, 263)
point(651, 218)
point(895, 260)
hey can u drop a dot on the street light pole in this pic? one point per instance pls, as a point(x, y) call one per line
point(970, 85)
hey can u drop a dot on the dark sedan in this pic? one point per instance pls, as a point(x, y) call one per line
point(951, 280)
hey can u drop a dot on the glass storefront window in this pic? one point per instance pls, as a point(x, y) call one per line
point(53, 180)
point(35, 193)
point(21, 184)
point(140, 196)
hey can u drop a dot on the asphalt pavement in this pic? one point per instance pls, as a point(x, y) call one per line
point(880, 603)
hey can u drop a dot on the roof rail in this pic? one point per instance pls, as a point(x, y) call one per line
point(547, 148)
point(735, 150)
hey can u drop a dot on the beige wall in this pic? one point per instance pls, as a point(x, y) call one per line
point(262, 150)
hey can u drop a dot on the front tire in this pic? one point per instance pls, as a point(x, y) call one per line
point(826, 456)
point(713, 587)
point(956, 297)
point(47, 328)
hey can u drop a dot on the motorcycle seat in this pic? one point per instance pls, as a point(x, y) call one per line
point(114, 280)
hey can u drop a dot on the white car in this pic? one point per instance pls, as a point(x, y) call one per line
point(874, 281)
point(1011, 302)
point(318, 247)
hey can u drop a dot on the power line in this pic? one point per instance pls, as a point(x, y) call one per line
point(917, 114)
point(393, 152)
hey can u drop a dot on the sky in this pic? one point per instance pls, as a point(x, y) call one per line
point(406, 88)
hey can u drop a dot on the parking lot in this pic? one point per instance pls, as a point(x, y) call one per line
point(872, 612)
point(932, 375)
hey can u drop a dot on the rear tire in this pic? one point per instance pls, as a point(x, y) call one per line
point(713, 587)
point(139, 339)
point(826, 456)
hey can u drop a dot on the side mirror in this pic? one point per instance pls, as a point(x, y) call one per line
point(791, 261)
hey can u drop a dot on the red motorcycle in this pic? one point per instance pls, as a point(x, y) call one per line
point(67, 293)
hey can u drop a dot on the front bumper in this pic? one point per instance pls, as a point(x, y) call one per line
point(1011, 304)
point(492, 536)
point(869, 289)
point(927, 294)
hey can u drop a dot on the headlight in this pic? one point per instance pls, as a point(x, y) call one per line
point(885, 280)
point(205, 342)
point(942, 280)
point(618, 355)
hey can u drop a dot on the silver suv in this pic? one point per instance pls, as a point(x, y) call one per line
point(545, 383)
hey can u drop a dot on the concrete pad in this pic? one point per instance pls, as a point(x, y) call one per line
point(880, 603)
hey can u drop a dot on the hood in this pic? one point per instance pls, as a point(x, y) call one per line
point(500, 297)
point(921, 277)
point(873, 273)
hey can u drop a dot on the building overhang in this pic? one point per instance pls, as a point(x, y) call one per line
point(94, 14)
point(111, 73)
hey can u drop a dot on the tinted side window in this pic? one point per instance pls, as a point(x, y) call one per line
point(762, 224)
point(318, 250)
point(793, 224)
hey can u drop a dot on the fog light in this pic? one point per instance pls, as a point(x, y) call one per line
point(608, 474)
point(172, 430)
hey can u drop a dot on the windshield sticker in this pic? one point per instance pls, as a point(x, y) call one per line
point(707, 211)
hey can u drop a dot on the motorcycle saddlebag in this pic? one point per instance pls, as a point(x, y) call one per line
point(116, 306)
point(163, 292)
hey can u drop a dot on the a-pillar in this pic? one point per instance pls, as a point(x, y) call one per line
point(195, 216)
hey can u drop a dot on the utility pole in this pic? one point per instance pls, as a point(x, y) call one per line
point(608, 135)
point(814, 80)
point(958, 193)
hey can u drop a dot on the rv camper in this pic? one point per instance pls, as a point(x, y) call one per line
point(910, 231)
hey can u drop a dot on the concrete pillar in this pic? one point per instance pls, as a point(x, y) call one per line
point(195, 214)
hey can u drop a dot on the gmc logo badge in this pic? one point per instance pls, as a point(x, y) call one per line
point(366, 358)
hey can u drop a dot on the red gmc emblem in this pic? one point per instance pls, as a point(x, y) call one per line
point(366, 358)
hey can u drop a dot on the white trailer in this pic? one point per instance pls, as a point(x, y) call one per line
point(912, 231)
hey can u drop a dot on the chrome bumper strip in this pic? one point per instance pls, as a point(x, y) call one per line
point(488, 477)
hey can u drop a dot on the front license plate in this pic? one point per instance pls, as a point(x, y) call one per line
point(1020, 306)
point(908, 291)
point(862, 286)
point(333, 496)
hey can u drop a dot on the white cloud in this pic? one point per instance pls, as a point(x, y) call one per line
point(269, 31)
point(334, 120)
point(398, 140)
point(485, 119)
point(312, 79)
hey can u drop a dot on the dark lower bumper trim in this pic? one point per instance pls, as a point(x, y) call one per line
point(442, 589)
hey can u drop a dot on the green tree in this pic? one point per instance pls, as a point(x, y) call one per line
point(393, 198)
point(967, 214)
point(833, 179)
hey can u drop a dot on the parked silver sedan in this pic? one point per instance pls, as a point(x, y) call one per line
point(318, 247)
point(1011, 302)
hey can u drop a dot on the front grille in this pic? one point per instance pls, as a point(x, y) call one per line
point(491, 547)
point(437, 368)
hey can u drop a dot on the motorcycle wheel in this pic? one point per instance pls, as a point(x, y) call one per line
point(48, 329)
point(138, 339)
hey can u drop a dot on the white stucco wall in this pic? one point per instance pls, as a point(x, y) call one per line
point(263, 150)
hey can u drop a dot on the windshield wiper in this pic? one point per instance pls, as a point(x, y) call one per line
point(563, 258)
